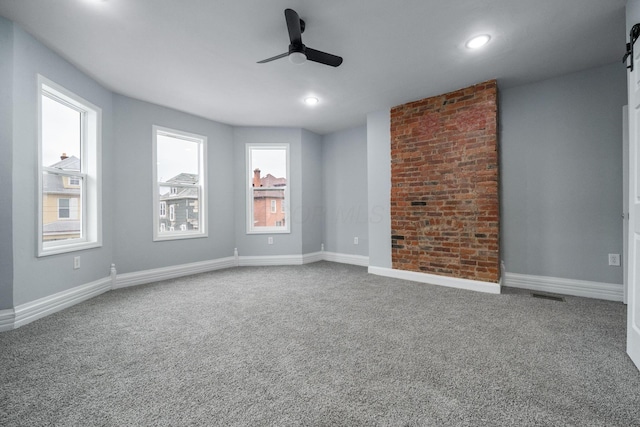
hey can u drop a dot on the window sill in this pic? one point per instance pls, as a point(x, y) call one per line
point(178, 236)
point(65, 248)
point(269, 230)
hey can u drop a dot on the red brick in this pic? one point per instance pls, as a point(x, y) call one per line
point(444, 153)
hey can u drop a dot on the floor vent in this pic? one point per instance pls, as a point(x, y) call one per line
point(547, 296)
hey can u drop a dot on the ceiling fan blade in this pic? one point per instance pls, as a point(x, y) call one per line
point(293, 25)
point(273, 58)
point(323, 57)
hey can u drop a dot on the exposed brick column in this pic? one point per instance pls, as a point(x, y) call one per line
point(444, 184)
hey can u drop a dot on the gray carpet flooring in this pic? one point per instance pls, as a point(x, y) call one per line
point(315, 345)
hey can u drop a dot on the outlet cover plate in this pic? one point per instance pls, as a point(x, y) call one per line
point(614, 259)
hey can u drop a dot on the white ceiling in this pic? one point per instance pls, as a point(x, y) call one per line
point(199, 56)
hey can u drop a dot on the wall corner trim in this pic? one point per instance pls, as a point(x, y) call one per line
point(312, 257)
point(360, 260)
point(7, 319)
point(433, 279)
point(579, 288)
point(164, 273)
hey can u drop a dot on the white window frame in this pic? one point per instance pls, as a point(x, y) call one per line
point(171, 233)
point(172, 212)
point(274, 206)
point(90, 175)
point(251, 228)
point(163, 209)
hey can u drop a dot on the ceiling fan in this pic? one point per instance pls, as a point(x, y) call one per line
point(298, 52)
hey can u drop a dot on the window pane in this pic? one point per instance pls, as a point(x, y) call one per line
point(268, 184)
point(61, 135)
point(180, 175)
point(177, 160)
point(270, 162)
point(61, 208)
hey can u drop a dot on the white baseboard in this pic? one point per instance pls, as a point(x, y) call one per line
point(171, 272)
point(260, 260)
point(433, 279)
point(360, 260)
point(579, 288)
point(34, 310)
point(254, 261)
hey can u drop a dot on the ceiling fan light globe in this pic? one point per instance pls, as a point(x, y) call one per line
point(297, 58)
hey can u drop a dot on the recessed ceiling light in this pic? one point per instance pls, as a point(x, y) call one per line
point(478, 41)
point(311, 100)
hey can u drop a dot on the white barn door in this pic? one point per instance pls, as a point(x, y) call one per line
point(633, 257)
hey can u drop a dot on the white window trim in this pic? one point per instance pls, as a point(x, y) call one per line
point(163, 209)
point(91, 221)
point(251, 229)
point(203, 230)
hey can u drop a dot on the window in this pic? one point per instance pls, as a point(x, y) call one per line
point(63, 208)
point(68, 208)
point(267, 183)
point(69, 188)
point(179, 170)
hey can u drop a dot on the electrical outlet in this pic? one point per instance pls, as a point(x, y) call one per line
point(76, 262)
point(355, 240)
point(270, 240)
point(614, 259)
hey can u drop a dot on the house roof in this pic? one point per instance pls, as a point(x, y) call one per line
point(52, 183)
point(272, 181)
point(181, 192)
point(394, 52)
point(71, 163)
point(184, 178)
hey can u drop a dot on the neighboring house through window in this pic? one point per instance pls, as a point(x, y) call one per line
point(179, 170)
point(267, 184)
point(70, 181)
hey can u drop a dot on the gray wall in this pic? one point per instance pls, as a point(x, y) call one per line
point(135, 249)
point(312, 213)
point(38, 277)
point(379, 187)
point(6, 167)
point(561, 174)
point(344, 167)
point(256, 244)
